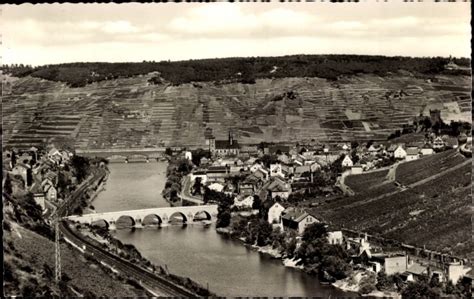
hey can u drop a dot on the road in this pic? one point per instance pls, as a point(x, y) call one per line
point(153, 283)
point(185, 192)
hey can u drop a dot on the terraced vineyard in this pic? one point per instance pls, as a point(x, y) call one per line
point(125, 113)
point(364, 181)
point(414, 171)
point(435, 214)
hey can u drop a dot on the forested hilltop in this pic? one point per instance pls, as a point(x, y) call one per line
point(244, 70)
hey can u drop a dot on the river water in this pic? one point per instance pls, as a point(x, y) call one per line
point(196, 251)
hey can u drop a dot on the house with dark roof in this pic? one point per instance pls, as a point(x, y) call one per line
point(412, 154)
point(279, 188)
point(297, 220)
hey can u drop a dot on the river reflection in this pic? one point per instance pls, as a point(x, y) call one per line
point(197, 251)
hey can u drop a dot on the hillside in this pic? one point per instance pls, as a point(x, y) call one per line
point(30, 269)
point(434, 212)
point(131, 112)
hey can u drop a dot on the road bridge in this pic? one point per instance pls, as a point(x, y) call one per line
point(139, 218)
point(123, 154)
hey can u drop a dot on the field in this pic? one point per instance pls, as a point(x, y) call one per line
point(130, 112)
point(434, 214)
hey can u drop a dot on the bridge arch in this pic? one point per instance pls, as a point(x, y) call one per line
point(202, 215)
point(125, 221)
point(184, 219)
point(152, 219)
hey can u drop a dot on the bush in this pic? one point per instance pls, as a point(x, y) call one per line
point(367, 283)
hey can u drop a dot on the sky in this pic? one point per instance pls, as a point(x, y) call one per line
point(58, 33)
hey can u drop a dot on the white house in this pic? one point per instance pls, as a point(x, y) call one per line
point(216, 187)
point(243, 201)
point(276, 170)
point(188, 155)
point(274, 213)
point(335, 237)
point(399, 153)
point(347, 161)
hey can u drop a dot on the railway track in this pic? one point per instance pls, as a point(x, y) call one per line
point(157, 285)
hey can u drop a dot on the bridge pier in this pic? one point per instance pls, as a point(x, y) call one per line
point(138, 223)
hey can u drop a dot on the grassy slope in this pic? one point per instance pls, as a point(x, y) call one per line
point(36, 250)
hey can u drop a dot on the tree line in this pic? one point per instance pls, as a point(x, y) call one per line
point(245, 70)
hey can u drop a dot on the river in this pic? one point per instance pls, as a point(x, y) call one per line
point(195, 251)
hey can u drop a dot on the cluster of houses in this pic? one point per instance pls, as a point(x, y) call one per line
point(371, 157)
point(366, 255)
point(37, 171)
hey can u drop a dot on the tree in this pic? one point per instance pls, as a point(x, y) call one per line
point(7, 188)
point(197, 186)
point(384, 283)
point(314, 231)
point(168, 151)
point(81, 167)
point(367, 283)
point(223, 219)
point(419, 290)
point(257, 202)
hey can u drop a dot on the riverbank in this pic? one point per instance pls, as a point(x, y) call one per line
point(346, 285)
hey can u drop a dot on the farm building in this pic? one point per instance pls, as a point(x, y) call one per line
point(279, 188)
point(412, 154)
point(243, 201)
point(426, 149)
point(399, 152)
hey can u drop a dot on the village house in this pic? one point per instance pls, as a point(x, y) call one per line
point(297, 220)
point(347, 162)
point(335, 237)
point(426, 149)
point(262, 174)
point(450, 142)
point(412, 154)
point(278, 188)
point(51, 193)
point(55, 156)
point(38, 196)
point(456, 270)
point(216, 187)
point(399, 152)
point(199, 174)
point(357, 168)
point(392, 262)
point(24, 171)
point(250, 184)
point(276, 170)
point(274, 213)
point(243, 201)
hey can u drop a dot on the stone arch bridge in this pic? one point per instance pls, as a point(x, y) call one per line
point(124, 155)
point(186, 214)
